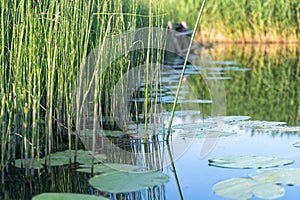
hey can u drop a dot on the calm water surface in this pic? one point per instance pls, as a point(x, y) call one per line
point(267, 89)
point(259, 81)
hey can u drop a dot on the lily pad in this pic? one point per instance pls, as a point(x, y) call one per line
point(248, 162)
point(286, 176)
point(231, 119)
point(63, 158)
point(138, 130)
point(142, 100)
point(83, 157)
point(170, 87)
point(297, 144)
point(181, 113)
point(108, 167)
point(206, 134)
point(218, 78)
point(106, 133)
point(170, 99)
point(37, 165)
point(285, 129)
point(245, 188)
point(259, 124)
point(195, 101)
point(194, 126)
point(67, 196)
point(121, 182)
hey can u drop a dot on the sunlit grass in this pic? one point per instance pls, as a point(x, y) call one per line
point(241, 21)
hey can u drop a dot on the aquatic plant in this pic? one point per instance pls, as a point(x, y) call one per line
point(43, 45)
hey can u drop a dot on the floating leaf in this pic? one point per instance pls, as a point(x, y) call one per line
point(194, 126)
point(150, 126)
point(246, 162)
point(259, 124)
point(297, 144)
point(37, 165)
point(138, 130)
point(169, 99)
point(218, 78)
point(205, 134)
point(67, 196)
point(230, 119)
point(106, 133)
point(286, 129)
point(181, 113)
point(174, 92)
point(287, 176)
point(121, 182)
point(63, 158)
point(221, 62)
point(170, 87)
point(194, 101)
point(110, 133)
point(108, 167)
point(245, 188)
point(142, 100)
point(85, 157)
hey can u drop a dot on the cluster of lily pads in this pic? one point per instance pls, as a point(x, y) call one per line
point(62, 158)
point(112, 177)
point(208, 127)
point(123, 178)
point(264, 184)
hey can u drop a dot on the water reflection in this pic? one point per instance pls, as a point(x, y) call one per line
point(263, 83)
point(270, 90)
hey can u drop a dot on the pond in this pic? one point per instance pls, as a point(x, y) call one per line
point(261, 82)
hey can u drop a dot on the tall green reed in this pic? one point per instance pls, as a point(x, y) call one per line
point(42, 46)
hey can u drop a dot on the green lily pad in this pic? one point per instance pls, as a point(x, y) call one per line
point(245, 188)
point(63, 158)
point(194, 126)
point(285, 129)
point(194, 101)
point(287, 176)
point(37, 165)
point(231, 119)
point(67, 196)
point(120, 182)
point(108, 167)
point(83, 157)
point(106, 133)
point(206, 134)
point(150, 126)
point(218, 78)
point(170, 99)
point(138, 130)
point(248, 162)
point(182, 113)
point(259, 124)
point(297, 144)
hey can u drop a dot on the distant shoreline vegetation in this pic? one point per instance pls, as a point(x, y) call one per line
point(232, 21)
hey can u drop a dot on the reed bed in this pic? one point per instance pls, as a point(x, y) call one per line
point(241, 21)
point(43, 44)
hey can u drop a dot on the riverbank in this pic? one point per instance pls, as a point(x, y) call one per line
point(240, 21)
